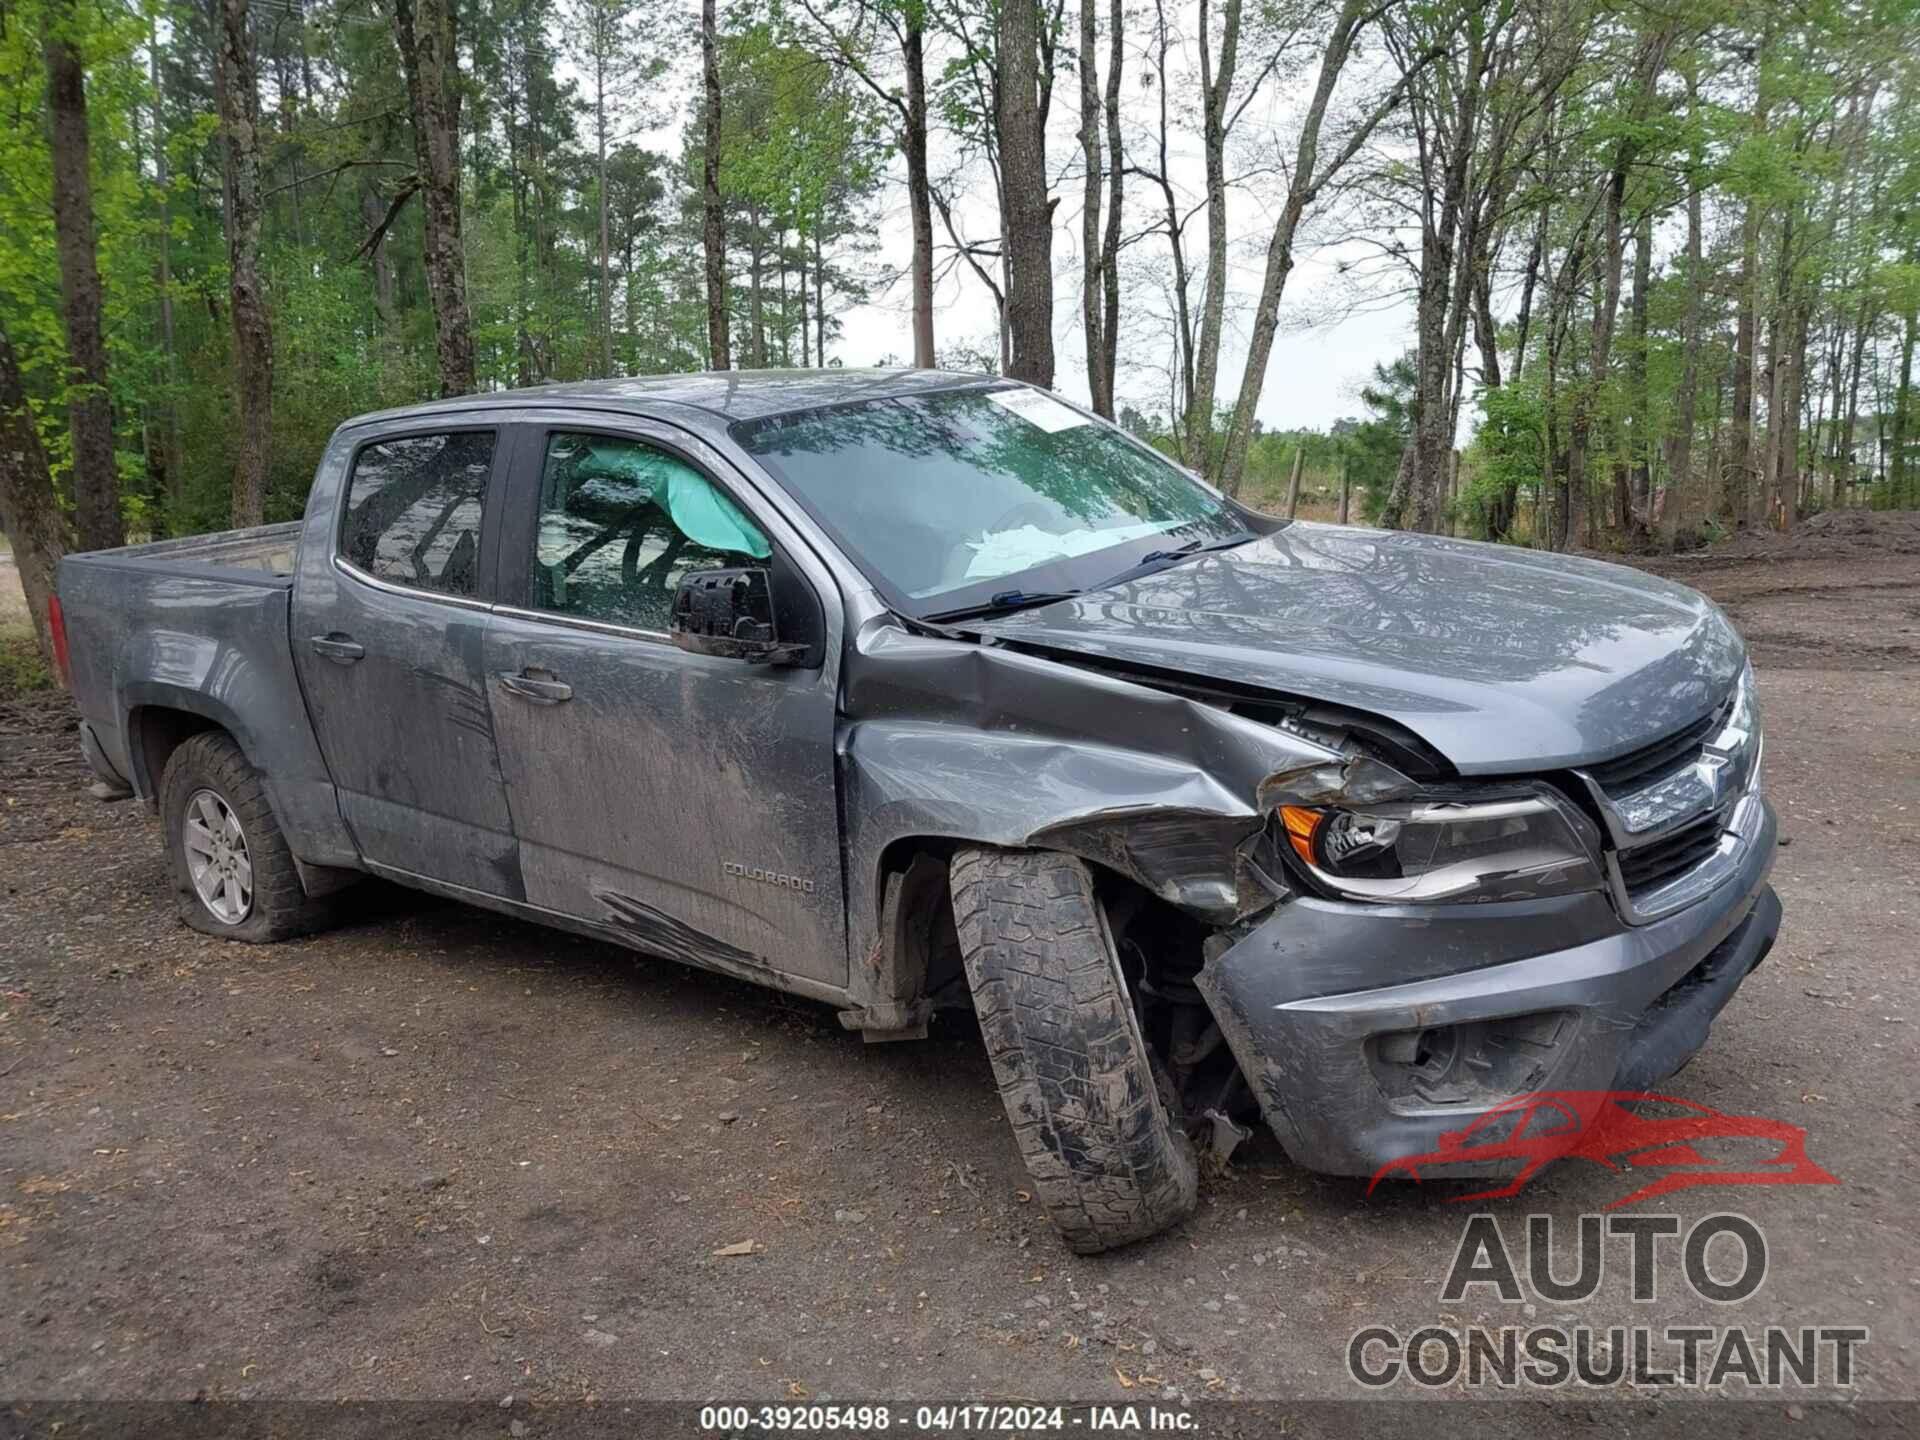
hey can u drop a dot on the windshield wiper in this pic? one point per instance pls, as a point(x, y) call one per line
point(1159, 557)
point(1155, 556)
point(1005, 603)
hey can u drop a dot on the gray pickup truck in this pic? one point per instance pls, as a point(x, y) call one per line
point(905, 690)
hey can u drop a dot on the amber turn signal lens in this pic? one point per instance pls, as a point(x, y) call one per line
point(1301, 825)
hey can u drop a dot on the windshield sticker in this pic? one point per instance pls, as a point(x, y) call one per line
point(1038, 408)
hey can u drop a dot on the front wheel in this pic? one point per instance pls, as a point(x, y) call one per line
point(232, 873)
point(1080, 1085)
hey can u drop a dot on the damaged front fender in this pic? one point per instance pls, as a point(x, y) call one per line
point(991, 745)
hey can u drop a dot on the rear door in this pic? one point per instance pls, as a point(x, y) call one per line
point(686, 800)
point(389, 641)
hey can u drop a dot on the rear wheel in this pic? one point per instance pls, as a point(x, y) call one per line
point(233, 875)
point(1091, 1113)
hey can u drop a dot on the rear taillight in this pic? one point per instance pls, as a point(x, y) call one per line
point(57, 632)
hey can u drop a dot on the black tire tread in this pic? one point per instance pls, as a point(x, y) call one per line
point(211, 760)
point(1108, 1162)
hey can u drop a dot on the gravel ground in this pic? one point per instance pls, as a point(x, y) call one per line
point(440, 1154)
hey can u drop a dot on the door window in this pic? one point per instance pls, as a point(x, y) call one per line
point(621, 522)
point(413, 510)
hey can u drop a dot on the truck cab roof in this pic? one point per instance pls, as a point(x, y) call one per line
point(726, 395)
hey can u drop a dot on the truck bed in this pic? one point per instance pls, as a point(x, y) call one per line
point(195, 631)
point(262, 550)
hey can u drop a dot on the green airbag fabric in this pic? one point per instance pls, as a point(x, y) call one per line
point(702, 513)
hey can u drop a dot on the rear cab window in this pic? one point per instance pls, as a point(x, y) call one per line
point(414, 507)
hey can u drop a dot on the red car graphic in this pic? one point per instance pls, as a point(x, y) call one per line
point(1622, 1130)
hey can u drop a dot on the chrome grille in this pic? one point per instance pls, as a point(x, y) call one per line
point(1655, 762)
point(1649, 866)
point(1679, 811)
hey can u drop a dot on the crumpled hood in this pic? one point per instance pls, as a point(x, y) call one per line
point(1502, 659)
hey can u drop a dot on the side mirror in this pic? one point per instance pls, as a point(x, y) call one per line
point(729, 613)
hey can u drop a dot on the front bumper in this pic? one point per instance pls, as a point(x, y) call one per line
point(1366, 1031)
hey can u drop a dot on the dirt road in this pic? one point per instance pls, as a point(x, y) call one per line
point(441, 1154)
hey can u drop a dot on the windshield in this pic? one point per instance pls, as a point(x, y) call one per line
point(952, 498)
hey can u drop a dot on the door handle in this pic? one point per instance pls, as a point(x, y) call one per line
point(529, 685)
point(341, 649)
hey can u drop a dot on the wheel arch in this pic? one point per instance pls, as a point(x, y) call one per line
point(910, 955)
point(160, 718)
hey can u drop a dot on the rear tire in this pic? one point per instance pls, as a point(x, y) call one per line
point(237, 886)
point(1089, 1114)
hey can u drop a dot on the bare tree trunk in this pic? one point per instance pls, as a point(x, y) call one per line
point(1093, 311)
point(1537, 251)
point(1863, 324)
point(1556, 481)
point(163, 279)
point(1026, 205)
point(1786, 471)
point(429, 53)
point(847, 48)
point(602, 43)
point(1214, 91)
point(514, 93)
point(1902, 403)
point(756, 320)
point(1639, 476)
point(383, 289)
point(806, 334)
point(1116, 194)
point(1346, 482)
point(29, 513)
point(1303, 188)
point(96, 482)
point(1606, 309)
point(713, 224)
point(1486, 332)
point(1680, 466)
point(1780, 371)
point(1740, 442)
point(1293, 481)
point(1524, 320)
point(786, 334)
point(919, 202)
point(1432, 440)
point(1182, 374)
point(237, 88)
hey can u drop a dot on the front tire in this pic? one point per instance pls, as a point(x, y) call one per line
point(233, 876)
point(1108, 1161)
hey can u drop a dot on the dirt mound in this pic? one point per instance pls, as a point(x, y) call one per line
point(1887, 524)
point(1830, 535)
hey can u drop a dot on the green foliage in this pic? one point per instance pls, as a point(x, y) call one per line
point(1508, 462)
point(1374, 444)
point(22, 671)
point(1809, 115)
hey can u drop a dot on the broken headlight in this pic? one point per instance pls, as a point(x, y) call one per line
point(1431, 851)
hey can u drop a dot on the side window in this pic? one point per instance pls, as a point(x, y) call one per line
point(620, 523)
point(413, 510)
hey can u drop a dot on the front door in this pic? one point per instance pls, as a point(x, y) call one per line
point(685, 800)
point(388, 640)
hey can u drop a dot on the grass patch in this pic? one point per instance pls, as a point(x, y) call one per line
point(22, 671)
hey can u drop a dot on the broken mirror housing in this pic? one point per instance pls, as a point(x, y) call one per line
point(729, 613)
